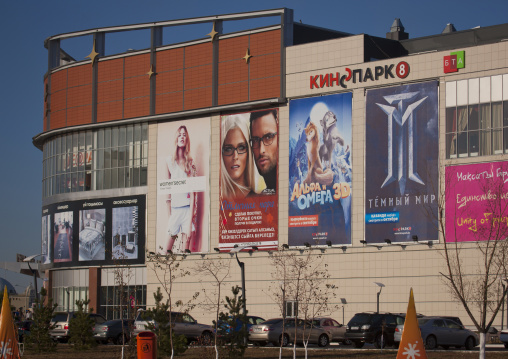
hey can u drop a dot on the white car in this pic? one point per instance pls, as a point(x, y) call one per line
point(503, 337)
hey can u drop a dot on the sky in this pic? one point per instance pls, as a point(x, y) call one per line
point(25, 24)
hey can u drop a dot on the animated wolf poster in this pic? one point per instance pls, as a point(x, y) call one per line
point(320, 170)
point(401, 163)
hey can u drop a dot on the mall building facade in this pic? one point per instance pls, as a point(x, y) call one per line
point(362, 135)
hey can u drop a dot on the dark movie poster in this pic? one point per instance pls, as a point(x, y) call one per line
point(320, 171)
point(401, 163)
point(248, 180)
point(102, 231)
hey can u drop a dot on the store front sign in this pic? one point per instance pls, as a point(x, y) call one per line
point(455, 61)
point(401, 70)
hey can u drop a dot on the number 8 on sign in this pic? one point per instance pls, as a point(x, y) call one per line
point(402, 69)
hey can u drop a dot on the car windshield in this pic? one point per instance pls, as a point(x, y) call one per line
point(143, 317)
point(361, 319)
point(62, 317)
point(422, 321)
point(272, 321)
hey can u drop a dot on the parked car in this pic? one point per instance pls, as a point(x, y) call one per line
point(437, 331)
point(24, 330)
point(183, 324)
point(377, 328)
point(271, 331)
point(61, 321)
point(114, 331)
point(223, 328)
point(503, 337)
point(336, 330)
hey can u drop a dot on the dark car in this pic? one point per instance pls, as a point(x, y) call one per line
point(24, 330)
point(112, 331)
point(376, 328)
point(61, 321)
point(438, 331)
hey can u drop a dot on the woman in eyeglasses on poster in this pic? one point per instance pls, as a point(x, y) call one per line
point(238, 172)
point(183, 206)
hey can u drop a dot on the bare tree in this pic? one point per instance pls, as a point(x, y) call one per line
point(168, 269)
point(122, 274)
point(302, 276)
point(484, 213)
point(218, 271)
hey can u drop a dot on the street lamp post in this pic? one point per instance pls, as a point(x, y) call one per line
point(235, 250)
point(344, 302)
point(34, 272)
point(381, 286)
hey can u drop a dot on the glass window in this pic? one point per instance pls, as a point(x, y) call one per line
point(114, 157)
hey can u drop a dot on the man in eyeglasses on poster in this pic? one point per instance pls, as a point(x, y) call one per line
point(265, 146)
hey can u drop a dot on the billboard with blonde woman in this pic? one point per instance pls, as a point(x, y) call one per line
point(248, 180)
point(183, 160)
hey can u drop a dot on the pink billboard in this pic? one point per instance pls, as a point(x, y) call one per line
point(477, 202)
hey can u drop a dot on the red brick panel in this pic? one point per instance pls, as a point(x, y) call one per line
point(197, 55)
point(46, 98)
point(137, 65)
point(198, 98)
point(79, 75)
point(169, 60)
point(110, 70)
point(137, 87)
point(109, 91)
point(265, 42)
point(233, 71)
point(58, 101)
point(136, 107)
point(233, 93)
point(265, 66)
point(198, 77)
point(79, 96)
point(58, 119)
point(79, 115)
point(169, 102)
point(233, 48)
point(109, 111)
point(265, 88)
point(58, 81)
point(169, 82)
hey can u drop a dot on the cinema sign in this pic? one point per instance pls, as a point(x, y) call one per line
point(401, 70)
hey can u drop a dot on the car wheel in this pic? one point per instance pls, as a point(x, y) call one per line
point(506, 345)
point(470, 343)
point(380, 341)
point(358, 344)
point(323, 340)
point(206, 338)
point(431, 342)
point(284, 340)
point(347, 342)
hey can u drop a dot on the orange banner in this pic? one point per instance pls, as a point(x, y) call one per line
point(8, 342)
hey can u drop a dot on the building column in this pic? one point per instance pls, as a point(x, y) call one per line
point(94, 288)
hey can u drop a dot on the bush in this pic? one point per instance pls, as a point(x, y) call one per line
point(81, 328)
point(160, 324)
point(39, 339)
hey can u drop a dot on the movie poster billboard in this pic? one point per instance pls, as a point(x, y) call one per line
point(320, 170)
point(401, 163)
point(102, 231)
point(477, 202)
point(248, 180)
point(183, 183)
